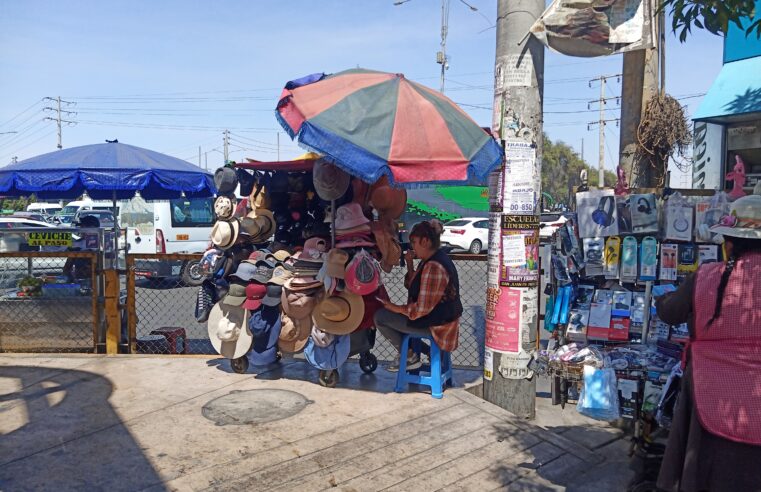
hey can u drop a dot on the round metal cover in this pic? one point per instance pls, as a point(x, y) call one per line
point(254, 406)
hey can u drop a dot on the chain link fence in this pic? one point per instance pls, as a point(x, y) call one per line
point(44, 310)
point(162, 308)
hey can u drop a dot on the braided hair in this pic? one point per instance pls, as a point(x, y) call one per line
point(740, 246)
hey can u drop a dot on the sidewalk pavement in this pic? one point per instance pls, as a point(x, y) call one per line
point(156, 423)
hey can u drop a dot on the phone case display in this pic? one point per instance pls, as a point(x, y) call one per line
point(612, 257)
point(597, 213)
point(668, 261)
point(594, 248)
point(644, 213)
point(623, 209)
point(629, 259)
point(599, 315)
point(648, 258)
point(688, 259)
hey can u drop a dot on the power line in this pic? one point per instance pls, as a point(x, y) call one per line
point(24, 111)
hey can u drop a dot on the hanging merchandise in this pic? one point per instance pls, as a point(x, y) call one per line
point(597, 213)
point(678, 219)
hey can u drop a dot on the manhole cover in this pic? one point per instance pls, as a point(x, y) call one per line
point(254, 406)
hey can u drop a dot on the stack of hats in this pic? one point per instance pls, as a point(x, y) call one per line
point(352, 227)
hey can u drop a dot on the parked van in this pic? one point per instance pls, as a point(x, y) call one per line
point(67, 213)
point(48, 209)
point(182, 225)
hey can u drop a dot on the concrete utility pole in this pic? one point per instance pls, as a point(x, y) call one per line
point(58, 118)
point(512, 313)
point(640, 84)
point(226, 141)
point(602, 122)
point(199, 156)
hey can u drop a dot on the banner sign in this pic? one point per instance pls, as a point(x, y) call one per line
point(49, 239)
point(707, 152)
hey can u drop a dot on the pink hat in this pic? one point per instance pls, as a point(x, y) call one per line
point(349, 216)
point(315, 250)
point(362, 274)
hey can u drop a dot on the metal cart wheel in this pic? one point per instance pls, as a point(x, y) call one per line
point(368, 362)
point(240, 365)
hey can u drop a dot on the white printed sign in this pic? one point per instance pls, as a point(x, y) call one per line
point(488, 365)
point(515, 366)
point(513, 250)
point(518, 71)
point(519, 187)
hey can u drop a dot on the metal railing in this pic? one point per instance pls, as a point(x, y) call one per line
point(156, 303)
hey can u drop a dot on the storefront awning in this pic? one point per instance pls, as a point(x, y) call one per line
point(735, 94)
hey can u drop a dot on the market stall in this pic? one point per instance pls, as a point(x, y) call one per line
point(296, 265)
point(609, 352)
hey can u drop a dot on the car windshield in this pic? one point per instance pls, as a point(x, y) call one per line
point(550, 217)
point(68, 210)
point(457, 223)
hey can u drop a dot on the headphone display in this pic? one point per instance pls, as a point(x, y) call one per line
point(603, 215)
point(643, 205)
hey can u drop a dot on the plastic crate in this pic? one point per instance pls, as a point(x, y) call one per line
point(60, 290)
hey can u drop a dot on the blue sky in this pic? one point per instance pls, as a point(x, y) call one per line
point(171, 75)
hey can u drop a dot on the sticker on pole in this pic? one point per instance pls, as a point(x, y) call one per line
point(503, 317)
point(515, 366)
point(488, 365)
point(49, 239)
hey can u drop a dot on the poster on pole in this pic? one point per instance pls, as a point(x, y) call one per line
point(494, 250)
point(515, 273)
point(519, 189)
point(503, 320)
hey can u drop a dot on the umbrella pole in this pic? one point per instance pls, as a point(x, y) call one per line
point(332, 223)
point(111, 297)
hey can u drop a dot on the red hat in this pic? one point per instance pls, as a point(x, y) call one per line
point(254, 295)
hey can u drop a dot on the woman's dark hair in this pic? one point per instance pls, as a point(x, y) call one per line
point(740, 246)
point(429, 229)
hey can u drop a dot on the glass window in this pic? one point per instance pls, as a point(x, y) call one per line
point(457, 223)
point(482, 224)
point(137, 214)
point(192, 212)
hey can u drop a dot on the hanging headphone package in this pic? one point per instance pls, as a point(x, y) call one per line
point(648, 258)
point(594, 248)
point(644, 213)
point(678, 219)
point(612, 257)
point(597, 213)
point(629, 259)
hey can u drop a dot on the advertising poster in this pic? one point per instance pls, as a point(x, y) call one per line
point(520, 184)
point(494, 250)
point(503, 325)
point(525, 273)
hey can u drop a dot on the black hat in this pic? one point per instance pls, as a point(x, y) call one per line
point(225, 180)
point(246, 181)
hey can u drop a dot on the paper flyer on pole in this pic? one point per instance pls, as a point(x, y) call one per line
point(503, 325)
point(520, 184)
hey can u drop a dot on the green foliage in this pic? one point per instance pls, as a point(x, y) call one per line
point(711, 15)
point(561, 166)
point(16, 204)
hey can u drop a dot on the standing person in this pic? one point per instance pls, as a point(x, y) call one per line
point(715, 438)
point(81, 268)
point(433, 302)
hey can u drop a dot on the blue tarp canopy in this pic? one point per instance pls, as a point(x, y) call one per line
point(105, 171)
point(735, 94)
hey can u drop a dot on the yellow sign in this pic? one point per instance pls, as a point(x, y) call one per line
point(182, 237)
point(49, 239)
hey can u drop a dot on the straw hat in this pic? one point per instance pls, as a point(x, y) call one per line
point(224, 206)
point(294, 333)
point(330, 182)
point(335, 264)
point(259, 224)
point(225, 233)
point(228, 330)
point(744, 219)
point(339, 314)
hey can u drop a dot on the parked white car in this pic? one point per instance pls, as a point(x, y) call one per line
point(468, 233)
point(550, 222)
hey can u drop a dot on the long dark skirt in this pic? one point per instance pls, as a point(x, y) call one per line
point(697, 460)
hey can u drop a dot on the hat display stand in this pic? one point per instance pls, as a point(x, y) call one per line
point(295, 220)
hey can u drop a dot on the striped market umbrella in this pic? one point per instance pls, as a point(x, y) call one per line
point(375, 123)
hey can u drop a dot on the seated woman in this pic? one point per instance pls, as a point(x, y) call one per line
point(433, 302)
point(80, 268)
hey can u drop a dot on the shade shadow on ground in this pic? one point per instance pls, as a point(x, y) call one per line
point(45, 414)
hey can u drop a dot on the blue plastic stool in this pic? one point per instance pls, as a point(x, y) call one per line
point(435, 375)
